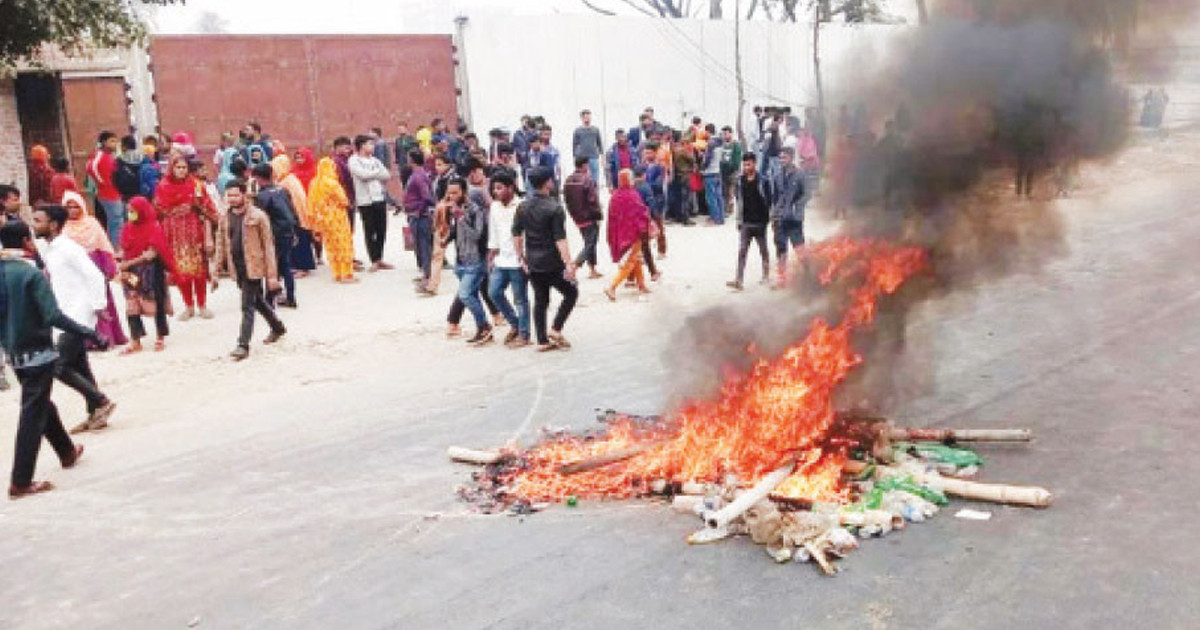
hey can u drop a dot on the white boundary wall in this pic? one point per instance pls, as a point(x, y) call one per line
point(557, 65)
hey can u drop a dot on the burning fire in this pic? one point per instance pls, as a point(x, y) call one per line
point(781, 410)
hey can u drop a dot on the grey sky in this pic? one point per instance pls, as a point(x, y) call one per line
point(350, 16)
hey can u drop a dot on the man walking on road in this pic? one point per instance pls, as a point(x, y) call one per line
point(505, 263)
point(755, 191)
point(246, 250)
point(540, 239)
point(587, 143)
point(79, 289)
point(28, 312)
point(582, 195)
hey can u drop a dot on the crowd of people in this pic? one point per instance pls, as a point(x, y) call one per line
point(154, 218)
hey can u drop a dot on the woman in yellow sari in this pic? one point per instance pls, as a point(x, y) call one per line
point(303, 261)
point(327, 205)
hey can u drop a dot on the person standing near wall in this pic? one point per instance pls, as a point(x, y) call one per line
point(370, 175)
point(101, 169)
point(588, 143)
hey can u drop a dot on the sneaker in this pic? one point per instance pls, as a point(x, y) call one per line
point(734, 284)
point(239, 353)
point(511, 336)
point(82, 427)
point(288, 304)
point(275, 335)
point(187, 314)
point(482, 338)
point(206, 314)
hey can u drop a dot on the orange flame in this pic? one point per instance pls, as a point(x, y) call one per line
point(782, 408)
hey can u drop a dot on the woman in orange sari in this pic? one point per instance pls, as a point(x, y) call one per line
point(40, 175)
point(303, 262)
point(183, 207)
point(327, 204)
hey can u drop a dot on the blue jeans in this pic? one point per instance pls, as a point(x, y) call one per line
point(788, 231)
point(114, 215)
point(499, 281)
point(594, 168)
point(470, 277)
point(714, 198)
point(422, 234)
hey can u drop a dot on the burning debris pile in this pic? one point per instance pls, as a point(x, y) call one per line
point(768, 456)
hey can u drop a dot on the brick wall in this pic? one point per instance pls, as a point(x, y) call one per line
point(12, 152)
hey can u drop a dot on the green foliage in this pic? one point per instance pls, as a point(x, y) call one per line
point(72, 25)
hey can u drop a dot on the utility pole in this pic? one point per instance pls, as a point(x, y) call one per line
point(737, 60)
point(460, 71)
point(817, 55)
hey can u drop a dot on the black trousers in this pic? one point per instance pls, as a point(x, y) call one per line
point(758, 234)
point(137, 329)
point(542, 283)
point(39, 418)
point(648, 256)
point(254, 299)
point(75, 371)
point(374, 218)
point(457, 308)
point(591, 234)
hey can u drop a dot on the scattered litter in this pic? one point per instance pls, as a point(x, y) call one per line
point(973, 515)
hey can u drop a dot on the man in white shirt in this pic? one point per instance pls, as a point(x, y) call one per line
point(504, 263)
point(370, 193)
point(78, 288)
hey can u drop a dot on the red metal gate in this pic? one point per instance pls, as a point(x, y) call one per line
point(301, 89)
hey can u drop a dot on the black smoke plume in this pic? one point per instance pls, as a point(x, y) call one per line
point(944, 140)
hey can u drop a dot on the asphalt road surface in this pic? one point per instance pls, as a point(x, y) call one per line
point(242, 504)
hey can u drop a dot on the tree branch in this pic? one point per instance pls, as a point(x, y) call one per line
point(597, 9)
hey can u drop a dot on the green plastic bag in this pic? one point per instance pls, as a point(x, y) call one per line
point(936, 452)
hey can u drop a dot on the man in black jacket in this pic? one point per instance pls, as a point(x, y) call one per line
point(756, 196)
point(28, 312)
point(276, 202)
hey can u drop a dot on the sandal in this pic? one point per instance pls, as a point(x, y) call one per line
point(128, 350)
point(559, 340)
point(36, 487)
point(75, 459)
point(160, 345)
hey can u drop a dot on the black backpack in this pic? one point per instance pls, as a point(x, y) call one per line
point(128, 179)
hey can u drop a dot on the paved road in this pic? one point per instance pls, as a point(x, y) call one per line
point(333, 506)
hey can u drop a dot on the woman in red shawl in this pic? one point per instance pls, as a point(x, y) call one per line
point(184, 206)
point(304, 167)
point(40, 175)
point(148, 261)
point(628, 222)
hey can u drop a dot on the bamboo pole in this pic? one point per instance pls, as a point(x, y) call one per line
point(473, 456)
point(1032, 496)
point(722, 517)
